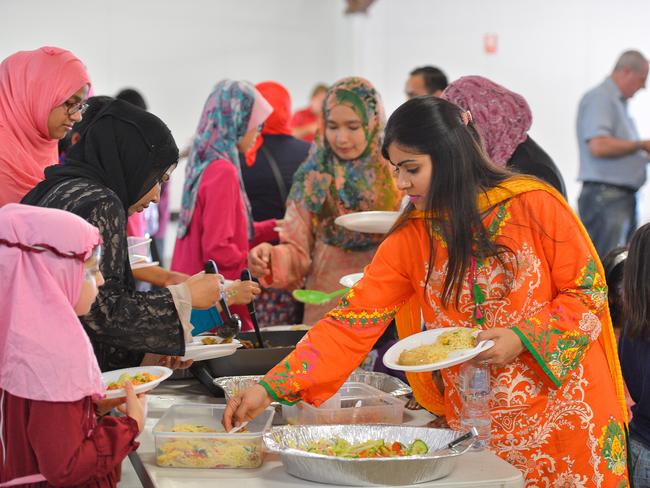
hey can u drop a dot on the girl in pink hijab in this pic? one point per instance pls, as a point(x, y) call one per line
point(42, 94)
point(49, 377)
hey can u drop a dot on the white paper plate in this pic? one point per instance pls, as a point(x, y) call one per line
point(429, 337)
point(350, 280)
point(111, 376)
point(198, 341)
point(374, 222)
point(198, 351)
point(209, 352)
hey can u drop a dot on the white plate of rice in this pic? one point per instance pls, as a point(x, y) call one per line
point(435, 349)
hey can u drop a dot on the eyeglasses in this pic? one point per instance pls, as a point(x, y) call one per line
point(91, 273)
point(73, 108)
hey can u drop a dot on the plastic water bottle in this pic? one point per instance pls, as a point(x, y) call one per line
point(475, 393)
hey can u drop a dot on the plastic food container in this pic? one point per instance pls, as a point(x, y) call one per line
point(208, 449)
point(233, 385)
point(354, 403)
point(139, 248)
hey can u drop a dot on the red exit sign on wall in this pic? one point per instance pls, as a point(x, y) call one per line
point(490, 43)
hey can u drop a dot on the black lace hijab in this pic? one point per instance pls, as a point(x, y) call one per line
point(124, 148)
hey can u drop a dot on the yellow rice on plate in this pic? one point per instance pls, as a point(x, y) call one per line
point(445, 344)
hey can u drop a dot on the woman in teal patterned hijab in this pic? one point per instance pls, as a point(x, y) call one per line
point(352, 185)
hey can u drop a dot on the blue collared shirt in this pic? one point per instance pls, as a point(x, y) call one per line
point(603, 112)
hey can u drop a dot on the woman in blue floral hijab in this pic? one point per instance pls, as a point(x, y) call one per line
point(215, 219)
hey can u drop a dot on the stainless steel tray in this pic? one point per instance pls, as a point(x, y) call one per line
point(405, 470)
point(232, 385)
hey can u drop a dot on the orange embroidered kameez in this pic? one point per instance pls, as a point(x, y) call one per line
point(558, 411)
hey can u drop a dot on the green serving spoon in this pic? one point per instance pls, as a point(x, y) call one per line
point(315, 297)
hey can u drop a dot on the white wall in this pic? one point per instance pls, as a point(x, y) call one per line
point(551, 52)
point(174, 51)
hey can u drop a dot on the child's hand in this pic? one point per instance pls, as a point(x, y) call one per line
point(102, 407)
point(507, 346)
point(135, 405)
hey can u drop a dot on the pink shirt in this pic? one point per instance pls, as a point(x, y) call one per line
point(219, 227)
point(136, 225)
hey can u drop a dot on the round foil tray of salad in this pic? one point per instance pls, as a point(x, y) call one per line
point(366, 455)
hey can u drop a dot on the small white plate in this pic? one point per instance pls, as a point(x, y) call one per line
point(429, 337)
point(350, 280)
point(112, 376)
point(198, 351)
point(374, 222)
point(198, 341)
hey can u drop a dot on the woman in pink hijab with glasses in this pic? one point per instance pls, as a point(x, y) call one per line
point(503, 119)
point(42, 94)
point(50, 383)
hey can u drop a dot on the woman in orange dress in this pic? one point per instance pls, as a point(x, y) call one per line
point(480, 247)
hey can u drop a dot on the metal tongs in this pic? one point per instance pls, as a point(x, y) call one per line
point(231, 323)
point(246, 276)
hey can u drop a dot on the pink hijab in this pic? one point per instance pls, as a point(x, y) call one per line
point(32, 83)
point(44, 352)
point(503, 118)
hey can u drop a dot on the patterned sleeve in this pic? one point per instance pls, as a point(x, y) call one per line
point(560, 333)
point(291, 259)
point(338, 343)
point(120, 317)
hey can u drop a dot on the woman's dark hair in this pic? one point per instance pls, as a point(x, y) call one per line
point(95, 105)
point(636, 287)
point(614, 264)
point(461, 171)
point(134, 97)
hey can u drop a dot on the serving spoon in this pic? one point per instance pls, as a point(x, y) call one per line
point(316, 297)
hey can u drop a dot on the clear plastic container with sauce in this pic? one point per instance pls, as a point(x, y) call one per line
point(354, 403)
point(191, 436)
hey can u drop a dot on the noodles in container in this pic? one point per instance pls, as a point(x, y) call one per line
point(191, 436)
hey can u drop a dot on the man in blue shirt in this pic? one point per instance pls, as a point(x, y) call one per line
point(612, 156)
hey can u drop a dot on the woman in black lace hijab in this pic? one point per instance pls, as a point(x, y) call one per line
point(115, 170)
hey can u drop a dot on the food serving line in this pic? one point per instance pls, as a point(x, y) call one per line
point(473, 469)
point(182, 436)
